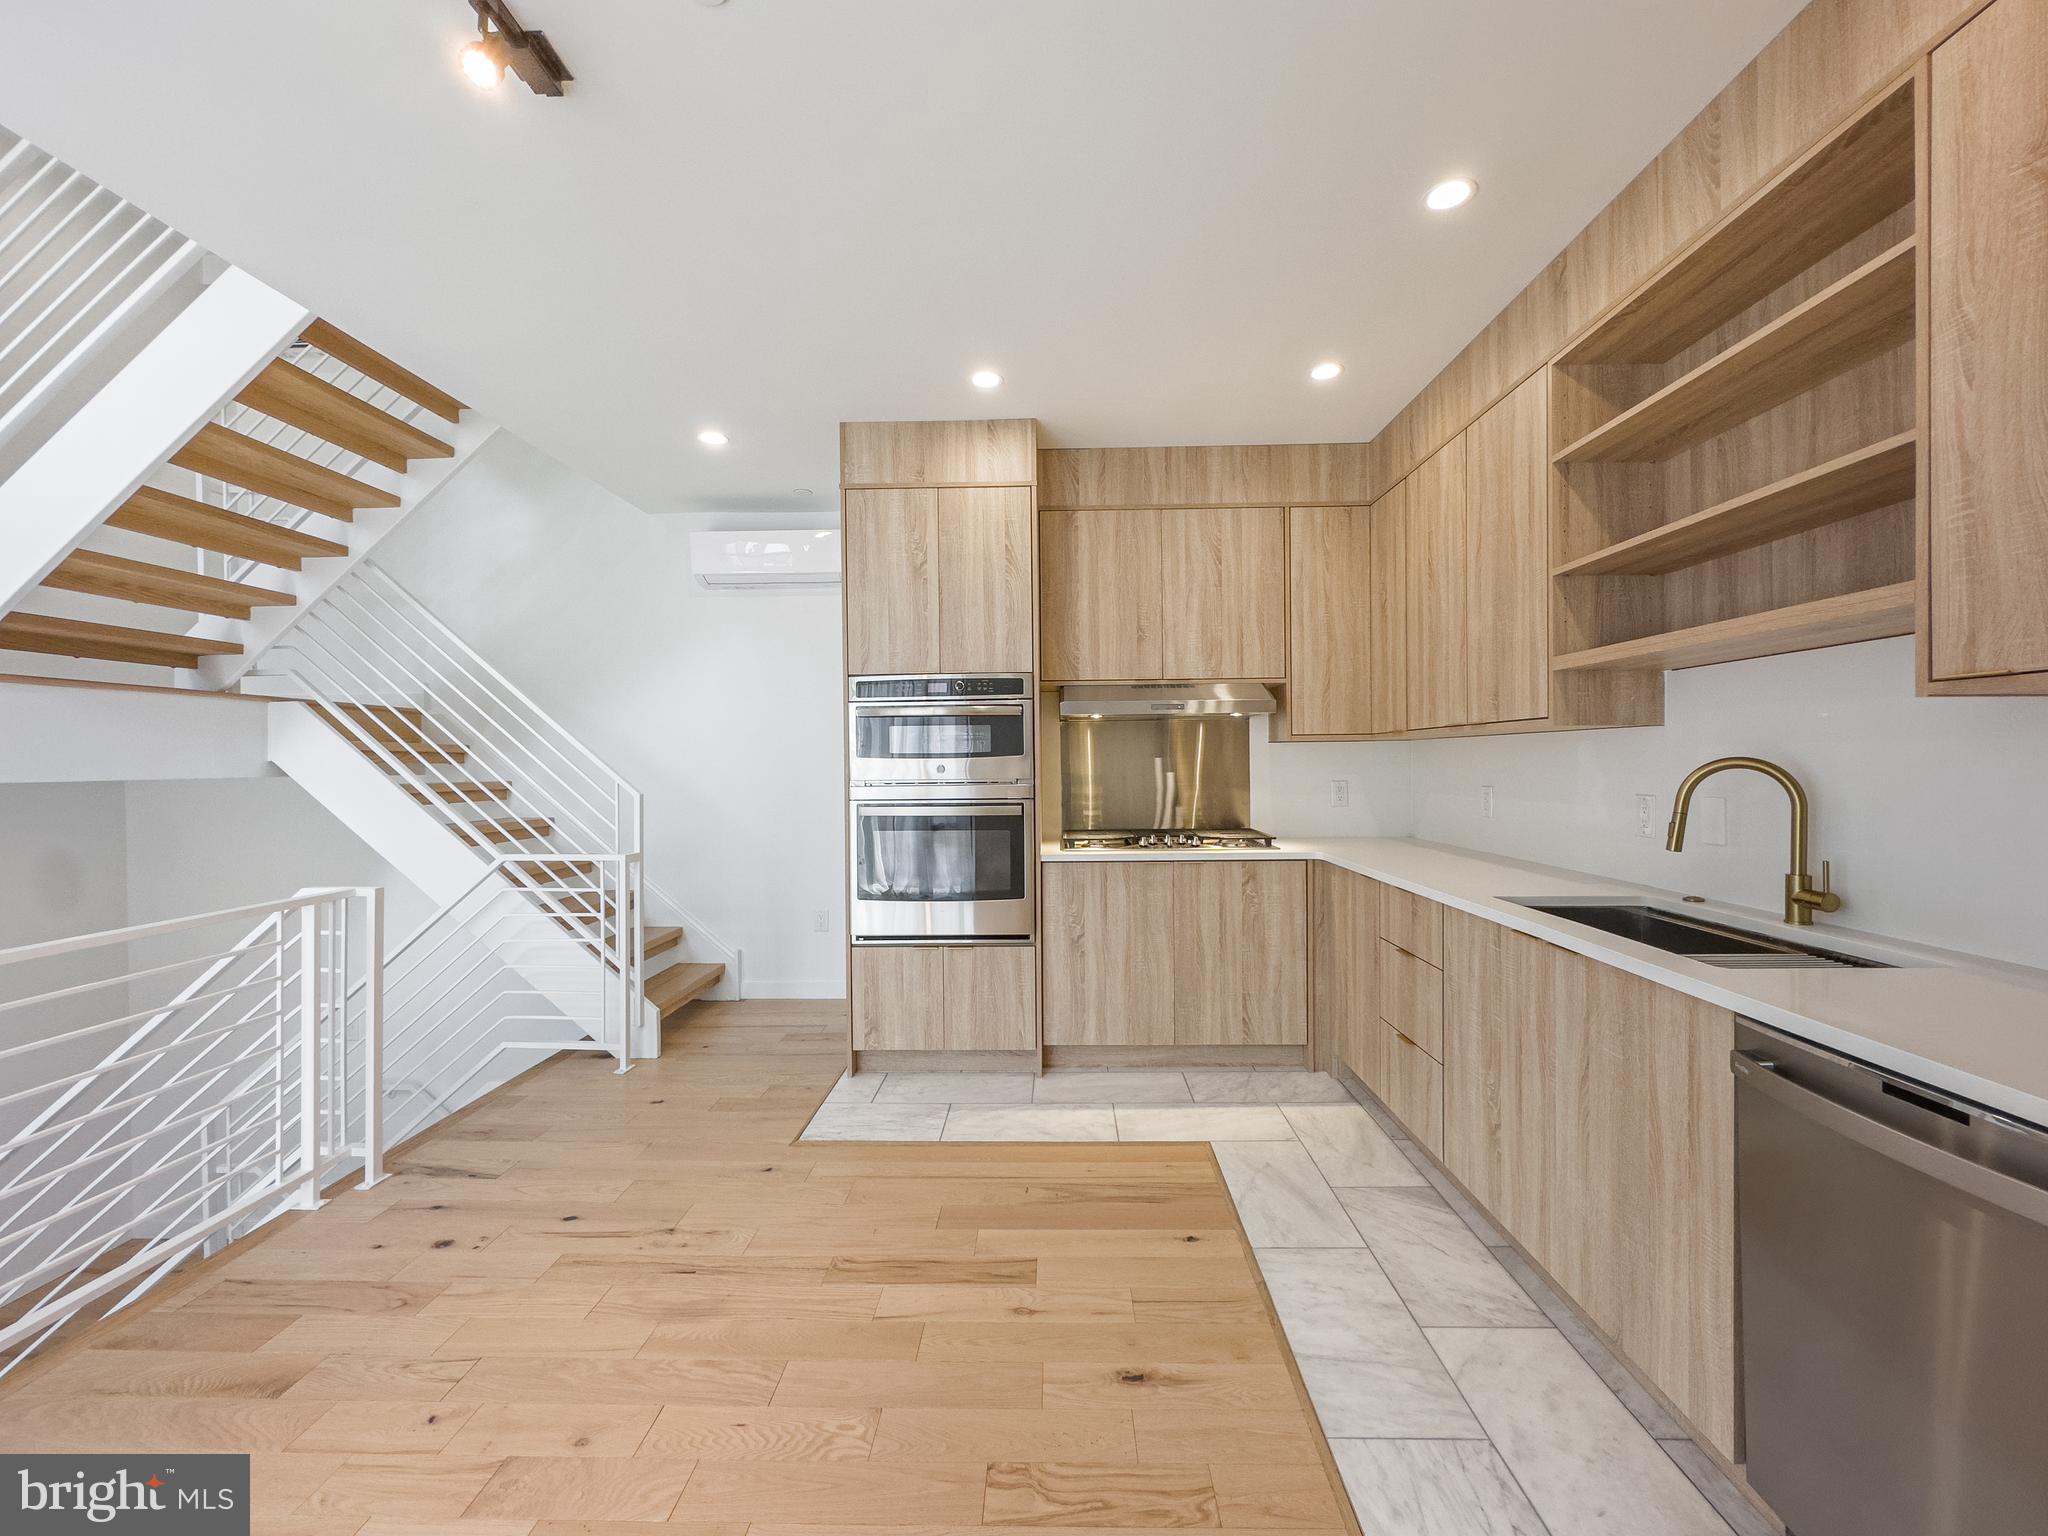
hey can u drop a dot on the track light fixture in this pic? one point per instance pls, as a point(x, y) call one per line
point(502, 44)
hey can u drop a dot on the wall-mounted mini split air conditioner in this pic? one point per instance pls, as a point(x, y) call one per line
point(738, 560)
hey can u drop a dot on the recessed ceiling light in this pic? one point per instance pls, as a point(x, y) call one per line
point(711, 437)
point(1322, 373)
point(1455, 193)
point(984, 378)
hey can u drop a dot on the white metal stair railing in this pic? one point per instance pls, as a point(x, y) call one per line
point(491, 976)
point(169, 1086)
point(252, 423)
point(368, 648)
point(76, 262)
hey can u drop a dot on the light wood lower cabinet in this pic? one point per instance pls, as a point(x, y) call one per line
point(1414, 923)
point(980, 997)
point(1412, 997)
point(1344, 948)
point(1181, 953)
point(1592, 1114)
point(1413, 1087)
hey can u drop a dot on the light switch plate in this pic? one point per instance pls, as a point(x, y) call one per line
point(1646, 814)
point(1486, 801)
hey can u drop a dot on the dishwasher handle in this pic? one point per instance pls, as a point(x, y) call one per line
point(2027, 1201)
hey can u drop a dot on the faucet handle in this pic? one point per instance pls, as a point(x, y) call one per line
point(1826, 899)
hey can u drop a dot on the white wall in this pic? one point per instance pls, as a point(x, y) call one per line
point(722, 707)
point(1291, 787)
point(1934, 811)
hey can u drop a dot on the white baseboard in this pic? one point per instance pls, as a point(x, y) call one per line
point(834, 988)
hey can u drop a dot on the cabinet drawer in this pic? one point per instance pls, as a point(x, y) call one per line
point(1412, 998)
point(1413, 923)
point(1412, 1084)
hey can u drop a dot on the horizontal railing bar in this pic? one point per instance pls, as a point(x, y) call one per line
point(129, 976)
point(72, 946)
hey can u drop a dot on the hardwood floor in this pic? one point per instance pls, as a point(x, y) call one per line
point(596, 1302)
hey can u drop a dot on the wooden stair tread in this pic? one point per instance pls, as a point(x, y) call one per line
point(228, 455)
point(556, 869)
point(1873, 614)
point(1842, 488)
point(180, 519)
point(671, 989)
point(386, 724)
point(292, 394)
point(659, 941)
point(1856, 318)
point(88, 641)
point(342, 347)
point(504, 829)
point(460, 792)
point(160, 586)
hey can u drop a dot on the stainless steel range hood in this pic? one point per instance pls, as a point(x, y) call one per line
point(1164, 700)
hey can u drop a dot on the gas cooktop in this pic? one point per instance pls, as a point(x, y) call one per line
point(1174, 837)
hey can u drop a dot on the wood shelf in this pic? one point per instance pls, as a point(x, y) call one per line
point(1848, 183)
point(1833, 492)
point(1873, 614)
point(1867, 312)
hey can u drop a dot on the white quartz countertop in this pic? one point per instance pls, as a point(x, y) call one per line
point(1975, 1027)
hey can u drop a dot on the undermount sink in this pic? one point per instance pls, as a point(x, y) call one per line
point(1697, 938)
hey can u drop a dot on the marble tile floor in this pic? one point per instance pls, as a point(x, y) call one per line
point(1459, 1394)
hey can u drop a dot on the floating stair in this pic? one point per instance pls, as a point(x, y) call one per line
point(87, 641)
point(291, 394)
point(228, 455)
point(659, 941)
point(344, 348)
point(180, 519)
point(680, 985)
point(160, 586)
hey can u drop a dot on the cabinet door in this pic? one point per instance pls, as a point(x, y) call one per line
point(991, 997)
point(1225, 574)
point(1344, 983)
point(985, 582)
point(1108, 953)
point(1987, 489)
point(899, 999)
point(892, 581)
point(1240, 968)
point(1437, 550)
point(1100, 595)
point(1387, 627)
point(1507, 559)
point(1414, 1087)
point(1329, 606)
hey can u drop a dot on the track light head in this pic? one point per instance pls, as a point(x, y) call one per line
point(503, 44)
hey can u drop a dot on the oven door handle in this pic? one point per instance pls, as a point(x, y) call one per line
point(869, 708)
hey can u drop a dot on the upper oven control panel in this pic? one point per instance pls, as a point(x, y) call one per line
point(951, 687)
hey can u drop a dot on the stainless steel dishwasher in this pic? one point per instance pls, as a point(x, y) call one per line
point(1894, 1273)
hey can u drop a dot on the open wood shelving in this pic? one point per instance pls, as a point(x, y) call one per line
point(1872, 614)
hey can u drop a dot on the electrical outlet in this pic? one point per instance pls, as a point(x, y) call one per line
point(1646, 814)
point(1486, 801)
point(821, 920)
point(1340, 791)
point(1710, 821)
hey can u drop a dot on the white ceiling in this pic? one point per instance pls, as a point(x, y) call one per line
point(1151, 216)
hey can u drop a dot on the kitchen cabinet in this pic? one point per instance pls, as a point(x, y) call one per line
point(1240, 937)
point(1591, 1114)
point(1100, 595)
point(1194, 952)
point(1415, 923)
point(1507, 559)
point(963, 997)
point(1412, 1087)
point(1331, 657)
point(892, 581)
point(986, 585)
point(1152, 593)
point(1437, 550)
point(1987, 470)
point(1223, 595)
point(938, 580)
point(1412, 998)
point(1107, 933)
point(1344, 970)
point(1387, 624)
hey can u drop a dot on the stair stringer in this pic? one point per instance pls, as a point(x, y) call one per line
point(121, 436)
point(263, 629)
point(410, 838)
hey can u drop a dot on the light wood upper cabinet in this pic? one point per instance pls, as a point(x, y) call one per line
point(1240, 971)
point(1329, 607)
point(1987, 472)
point(1387, 624)
point(1109, 951)
point(892, 581)
point(1507, 559)
point(985, 579)
point(1223, 598)
point(1343, 974)
point(1099, 595)
point(1439, 616)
